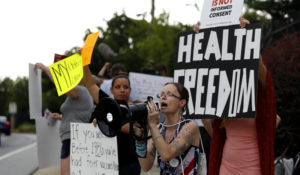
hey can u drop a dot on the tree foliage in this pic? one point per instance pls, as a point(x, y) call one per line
point(50, 99)
point(284, 14)
point(6, 91)
point(282, 59)
point(282, 11)
point(139, 44)
point(281, 55)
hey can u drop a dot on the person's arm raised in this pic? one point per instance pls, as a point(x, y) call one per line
point(72, 93)
point(188, 135)
point(44, 69)
point(147, 162)
point(90, 84)
point(208, 125)
point(104, 69)
point(262, 70)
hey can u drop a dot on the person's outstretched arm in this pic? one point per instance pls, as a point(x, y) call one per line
point(208, 125)
point(90, 84)
point(73, 93)
point(262, 70)
point(44, 69)
point(104, 69)
point(187, 136)
point(147, 163)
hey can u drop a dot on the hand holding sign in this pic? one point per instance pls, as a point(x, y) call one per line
point(221, 13)
point(88, 48)
point(222, 81)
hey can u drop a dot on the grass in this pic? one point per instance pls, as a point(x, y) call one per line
point(26, 128)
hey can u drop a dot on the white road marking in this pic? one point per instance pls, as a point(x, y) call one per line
point(17, 151)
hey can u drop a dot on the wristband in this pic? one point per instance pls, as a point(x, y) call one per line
point(156, 137)
point(141, 149)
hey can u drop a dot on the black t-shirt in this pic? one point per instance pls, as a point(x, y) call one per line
point(126, 149)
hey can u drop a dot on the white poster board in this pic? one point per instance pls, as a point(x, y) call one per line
point(48, 142)
point(148, 85)
point(218, 13)
point(35, 92)
point(91, 152)
point(221, 81)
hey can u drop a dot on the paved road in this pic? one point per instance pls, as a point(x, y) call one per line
point(15, 141)
point(18, 154)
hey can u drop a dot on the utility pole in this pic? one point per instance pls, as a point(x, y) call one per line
point(152, 10)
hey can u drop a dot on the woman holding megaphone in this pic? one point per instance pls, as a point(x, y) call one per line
point(176, 140)
point(120, 88)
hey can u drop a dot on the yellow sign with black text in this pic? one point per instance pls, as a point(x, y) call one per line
point(67, 73)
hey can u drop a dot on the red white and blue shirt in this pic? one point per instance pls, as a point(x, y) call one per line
point(188, 160)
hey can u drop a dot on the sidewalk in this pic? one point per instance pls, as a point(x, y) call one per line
point(56, 171)
point(48, 171)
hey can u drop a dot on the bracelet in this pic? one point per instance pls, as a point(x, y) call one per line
point(141, 149)
point(156, 137)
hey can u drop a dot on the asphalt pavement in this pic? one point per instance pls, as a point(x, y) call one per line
point(56, 171)
point(18, 155)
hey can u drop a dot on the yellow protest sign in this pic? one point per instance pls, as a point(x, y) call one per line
point(67, 73)
point(88, 48)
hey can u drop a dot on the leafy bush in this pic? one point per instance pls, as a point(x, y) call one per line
point(282, 59)
point(26, 128)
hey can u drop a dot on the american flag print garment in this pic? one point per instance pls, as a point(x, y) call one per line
point(188, 160)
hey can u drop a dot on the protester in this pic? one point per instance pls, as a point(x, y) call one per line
point(101, 74)
point(120, 88)
point(245, 146)
point(117, 69)
point(77, 107)
point(161, 70)
point(176, 140)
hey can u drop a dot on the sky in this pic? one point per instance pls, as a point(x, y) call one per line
point(34, 30)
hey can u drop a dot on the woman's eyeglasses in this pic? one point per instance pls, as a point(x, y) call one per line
point(167, 96)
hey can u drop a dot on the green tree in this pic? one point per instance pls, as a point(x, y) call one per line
point(282, 11)
point(139, 43)
point(6, 90)
point(20, 94)
point(284, 14)
point(50, 98)
point(282, 59)
point(281, 56)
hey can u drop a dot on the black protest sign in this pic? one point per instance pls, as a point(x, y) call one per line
point(219, 67)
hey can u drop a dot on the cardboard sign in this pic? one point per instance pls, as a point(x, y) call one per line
point(35, 92)
point(91, 152)
point(67, 73)
point(218, 13)
point(48, 142)
point(219, 67)
point(88, 47)
point(148, 85)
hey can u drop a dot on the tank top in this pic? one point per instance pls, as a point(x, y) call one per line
point(188, 160)
point(240, 152)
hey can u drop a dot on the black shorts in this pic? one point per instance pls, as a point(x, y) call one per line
point(65, 149)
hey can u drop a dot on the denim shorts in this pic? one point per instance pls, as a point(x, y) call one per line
point(65, 148)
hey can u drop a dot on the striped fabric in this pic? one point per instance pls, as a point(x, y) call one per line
point(188, 160)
